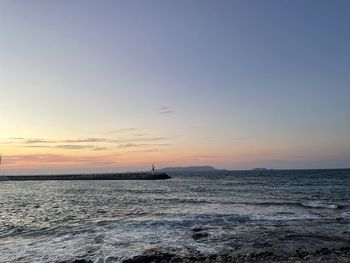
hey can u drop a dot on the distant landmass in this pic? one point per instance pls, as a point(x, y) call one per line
point(188, 169)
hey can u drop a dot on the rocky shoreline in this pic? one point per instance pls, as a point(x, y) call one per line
point(307, 251)
point(341, 254)
point(170, 255)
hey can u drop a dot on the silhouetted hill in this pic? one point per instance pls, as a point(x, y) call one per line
point(188, 169)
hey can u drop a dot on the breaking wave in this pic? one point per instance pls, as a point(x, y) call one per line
point(318, 204)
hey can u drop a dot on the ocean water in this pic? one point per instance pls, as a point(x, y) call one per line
point(109, 221)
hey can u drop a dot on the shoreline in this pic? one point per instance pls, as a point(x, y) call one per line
point(170, 255)
point(339, 254)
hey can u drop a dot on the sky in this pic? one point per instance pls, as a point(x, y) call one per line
point(100, 86)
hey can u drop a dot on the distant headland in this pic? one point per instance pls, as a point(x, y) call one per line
point(189, 169)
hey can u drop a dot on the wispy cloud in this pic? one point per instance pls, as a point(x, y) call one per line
point(138, 140)
point(79, 140)
point(165, 110)
point(124, 130)
point(147, 139)
point(88, 140)
point(38, 146)
point(128, 145)
point(73, 146)
point(35, 141)
point(150, 150)
point(41, 141)
point(16, 138)
point(55, 159)
point(139, 134)
point(206, 156)
point(70, 147)
point(97, 148)
point(142, 145)
point(239, 138)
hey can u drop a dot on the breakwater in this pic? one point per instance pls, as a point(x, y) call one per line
point(99, 176)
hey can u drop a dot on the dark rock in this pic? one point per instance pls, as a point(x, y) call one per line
point(344, 248)
point(324, 251)
point(81, 261)
point(197, 229)
point(153, 256)
point(171, 255)
point(78, 260)
point(262, 245)
point(199, 235)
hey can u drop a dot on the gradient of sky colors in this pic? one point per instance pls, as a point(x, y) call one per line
point(118, 85)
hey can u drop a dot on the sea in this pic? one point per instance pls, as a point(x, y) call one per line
point(110, 221)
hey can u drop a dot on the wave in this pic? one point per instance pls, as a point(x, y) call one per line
point(283, 217)
point(346, 215)
point(310, 204)
point(319, 204)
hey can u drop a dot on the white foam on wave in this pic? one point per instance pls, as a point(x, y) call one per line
point(346, 215)
point(283, 217)
point(117, 241)
point(319, 204)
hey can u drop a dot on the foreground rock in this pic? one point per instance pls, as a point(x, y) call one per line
point(341, 255)
point(198, 233)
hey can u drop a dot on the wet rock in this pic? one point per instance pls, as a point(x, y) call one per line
point(345, 249)
point(324, 251)
point(78, 260)
point(197, 229)
point(172, 255)
point(219, 259)
point(307, 257)
point(262, 245)
point(155, 258)
point(81, 261)
point(199, 235)
point(109, 260)
point(301, 254)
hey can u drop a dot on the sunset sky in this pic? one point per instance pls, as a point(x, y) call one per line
point(119, 85)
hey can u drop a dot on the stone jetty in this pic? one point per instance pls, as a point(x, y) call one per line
point(97, 176)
